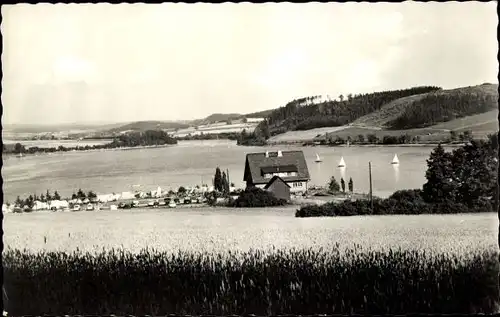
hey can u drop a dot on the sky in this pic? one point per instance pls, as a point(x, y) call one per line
point(115, 63)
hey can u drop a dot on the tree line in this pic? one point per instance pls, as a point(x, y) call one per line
point(30, 200)
point(461, 181)
point(210, 136)
point(372, 138)
point(131, 139)
point(465, 175)
point(441, 107)
point(305, 114)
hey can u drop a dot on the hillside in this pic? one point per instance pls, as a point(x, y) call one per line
point(427, 112)
point(223, 117)
point(217, 117)
point(54, 128)
point(445, 105)
point(307, 113)
point(148, 125)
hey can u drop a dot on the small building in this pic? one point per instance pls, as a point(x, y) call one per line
point(290, 166)
point(279, 188)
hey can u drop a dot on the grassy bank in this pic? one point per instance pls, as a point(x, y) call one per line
point(283, 282)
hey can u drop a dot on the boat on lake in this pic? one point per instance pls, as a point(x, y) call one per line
point(90, 207)
point(342, 162)
point(318, 159)
point(76, 208)
point(395, 160)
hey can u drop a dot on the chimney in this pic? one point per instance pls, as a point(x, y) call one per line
point(280, 154)
point(267, 153)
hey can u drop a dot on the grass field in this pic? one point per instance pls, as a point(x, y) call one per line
point(278, 282)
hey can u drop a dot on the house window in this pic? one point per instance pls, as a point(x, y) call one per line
point(297, 184)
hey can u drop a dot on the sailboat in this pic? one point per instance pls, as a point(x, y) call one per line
point(318, 159)
point(342, 162)
point(395, 160)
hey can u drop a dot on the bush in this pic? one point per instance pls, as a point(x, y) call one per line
point(403, 202)
point(294, 282)
point(256, 197)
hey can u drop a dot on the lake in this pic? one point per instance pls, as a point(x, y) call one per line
point(223, 229)
point(192, 162)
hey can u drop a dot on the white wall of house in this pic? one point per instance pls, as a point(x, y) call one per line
point(297, 187)
point(280, 174)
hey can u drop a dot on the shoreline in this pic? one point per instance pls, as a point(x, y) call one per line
point(301, 144)
point(90, 150)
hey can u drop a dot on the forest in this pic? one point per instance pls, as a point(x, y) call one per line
point(306, 113)
point(438, 107)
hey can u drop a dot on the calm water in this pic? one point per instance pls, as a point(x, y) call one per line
point(218, 230)
point(189, 163)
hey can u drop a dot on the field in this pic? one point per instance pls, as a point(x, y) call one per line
point(221, 229)
point(280, 282)
point(305, 135)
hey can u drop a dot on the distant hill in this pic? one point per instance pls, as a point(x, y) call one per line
point(217, 117)
point(424, 110)
point(260, 114)
point(419, 111)
point(222, 117)
point(307, 113)
point(148, 125)
point(54, 128)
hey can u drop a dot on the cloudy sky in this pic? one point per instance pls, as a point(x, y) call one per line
point(102, 62)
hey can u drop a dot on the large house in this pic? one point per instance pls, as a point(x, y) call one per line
point(290, 166)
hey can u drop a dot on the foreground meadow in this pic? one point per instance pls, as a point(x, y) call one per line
point(257, 282)
point(220, 229)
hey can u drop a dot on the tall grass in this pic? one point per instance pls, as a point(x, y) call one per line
point(279, 282)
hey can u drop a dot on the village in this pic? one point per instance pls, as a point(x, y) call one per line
point(285, 174)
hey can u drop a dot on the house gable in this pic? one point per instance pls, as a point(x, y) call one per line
point(276, 179)
point(259, 164)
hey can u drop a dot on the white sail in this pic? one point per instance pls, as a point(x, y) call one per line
point(395, 160)
point(342, 162)
point(318, 159)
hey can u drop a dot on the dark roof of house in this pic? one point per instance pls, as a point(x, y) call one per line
point(256, 163)
point(275, 178)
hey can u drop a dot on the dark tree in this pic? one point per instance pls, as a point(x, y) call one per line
point(225, 183)
point(372, 138)
point(80, 194)
point(56, 196)
point(218, 185)
point(453, 136)
point(19, 202)
point(351, 185)
point(439, 186)
point(333, 185)
point(181, 190)
point(342, 183)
